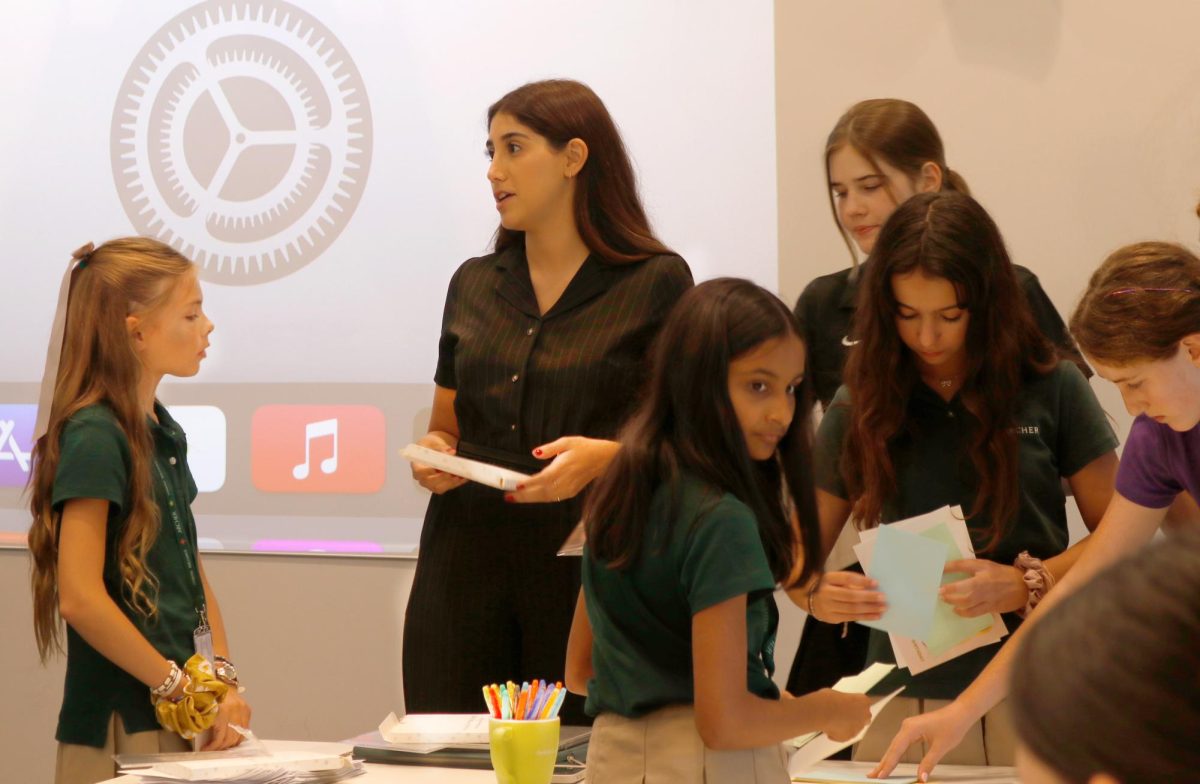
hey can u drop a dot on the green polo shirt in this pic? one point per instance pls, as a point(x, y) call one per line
point(641, 617)
point(95, 463)
point(1060, 429)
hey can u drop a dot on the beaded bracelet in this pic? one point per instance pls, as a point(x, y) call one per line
point(170, 683)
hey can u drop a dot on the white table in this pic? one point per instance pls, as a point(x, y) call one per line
point(416, 774)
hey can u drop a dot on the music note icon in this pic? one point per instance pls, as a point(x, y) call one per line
point(312, 431)
point(355, 463)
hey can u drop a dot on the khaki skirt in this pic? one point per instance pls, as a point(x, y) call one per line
point(665, 748)
point(85, 765)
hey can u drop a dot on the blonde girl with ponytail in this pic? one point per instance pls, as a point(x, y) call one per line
point(113, 540)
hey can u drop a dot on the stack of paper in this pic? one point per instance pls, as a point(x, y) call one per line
point(907, 558)
point(281, 767)
point(839, 774)
point(427, 732)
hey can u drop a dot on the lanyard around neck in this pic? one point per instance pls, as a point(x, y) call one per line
point(184, 544)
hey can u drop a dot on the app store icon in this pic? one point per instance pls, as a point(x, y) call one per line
point(16, 443)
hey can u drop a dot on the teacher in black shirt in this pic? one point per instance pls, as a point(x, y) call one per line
point(540, 360)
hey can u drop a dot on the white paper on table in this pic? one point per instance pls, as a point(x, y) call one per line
point(911, 654)
point(435, 728)
point(851, 684)
point(822, 747)
point(245, 768)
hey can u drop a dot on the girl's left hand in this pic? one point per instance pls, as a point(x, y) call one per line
point(577, 461)
point(233, 710)
point(991, 587)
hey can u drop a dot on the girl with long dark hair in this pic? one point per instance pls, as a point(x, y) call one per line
point(954, 397)
point(541, 355)
point(1139, 325)
point(880, 153)
point(705, 510)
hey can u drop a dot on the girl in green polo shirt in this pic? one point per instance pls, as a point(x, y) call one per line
point(954, 398)
point(1139, 324)
point(113, 540)
point(688, 533)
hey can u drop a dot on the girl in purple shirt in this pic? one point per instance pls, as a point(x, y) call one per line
point(1139, 325)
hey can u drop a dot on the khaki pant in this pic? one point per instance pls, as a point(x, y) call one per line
point(665, 748)
point(78, 764)
point(989, 741)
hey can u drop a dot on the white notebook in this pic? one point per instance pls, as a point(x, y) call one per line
point(435, 728)
point(484, 473)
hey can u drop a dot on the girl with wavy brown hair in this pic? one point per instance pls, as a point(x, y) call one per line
point(542, 353)
point(109, 474)
point(1139, 325)
point(955, 398)
point(880, 153)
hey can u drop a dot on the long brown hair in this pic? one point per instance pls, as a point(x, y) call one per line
point(686, 423)
point(1139, 304)
point(896, 132)
point(608, 211)
point(1108, 682)
point(122, 277)
point(944, 235)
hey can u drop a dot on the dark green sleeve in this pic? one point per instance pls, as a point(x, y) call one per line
point(1084, 432)
point(1051, 323)
point(94, 462)
point(827, 447)
point(724, 557)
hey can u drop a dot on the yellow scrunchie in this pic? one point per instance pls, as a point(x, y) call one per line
point(197, 710)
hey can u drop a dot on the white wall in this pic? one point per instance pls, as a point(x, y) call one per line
point(1074, 122)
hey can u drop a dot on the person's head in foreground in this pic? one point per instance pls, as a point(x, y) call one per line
point(1106, 689)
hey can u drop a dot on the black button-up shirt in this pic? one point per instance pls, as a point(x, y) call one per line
point(524, 378)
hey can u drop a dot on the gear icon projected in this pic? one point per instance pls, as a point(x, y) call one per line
point(242, 137)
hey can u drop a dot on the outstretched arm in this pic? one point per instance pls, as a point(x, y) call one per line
point(1125, 527)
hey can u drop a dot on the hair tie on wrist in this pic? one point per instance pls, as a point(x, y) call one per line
point(1038, 580)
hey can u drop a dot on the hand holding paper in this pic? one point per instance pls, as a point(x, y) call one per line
point(984, 587)
point(823, 747)
point(951, 634)
point(848, 596)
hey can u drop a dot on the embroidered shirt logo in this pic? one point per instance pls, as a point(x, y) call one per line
point(847, 342)
point(1028, 430)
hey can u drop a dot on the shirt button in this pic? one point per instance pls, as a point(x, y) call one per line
point(512, 427)
point(515, 377)
point(529, 331)
point(950, 414)
point(171, 461)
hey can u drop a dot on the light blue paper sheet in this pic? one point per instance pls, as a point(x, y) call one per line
point(950, 629)
point(908, 568)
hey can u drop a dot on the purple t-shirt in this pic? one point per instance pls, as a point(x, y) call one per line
point(1159, 463)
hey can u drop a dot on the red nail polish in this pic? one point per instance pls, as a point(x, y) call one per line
point(510, 498)
point(537, 453)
